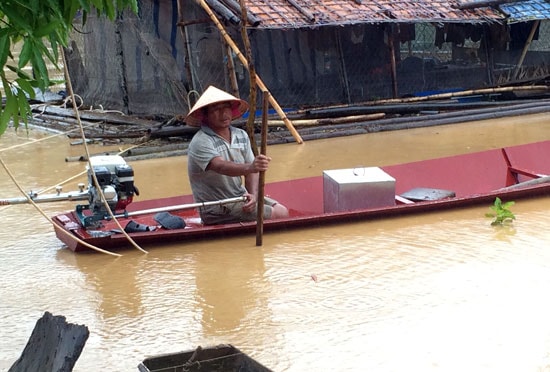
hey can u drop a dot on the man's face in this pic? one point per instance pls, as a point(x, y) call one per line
point(219, 115)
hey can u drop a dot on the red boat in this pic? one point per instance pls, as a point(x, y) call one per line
point(335, 196)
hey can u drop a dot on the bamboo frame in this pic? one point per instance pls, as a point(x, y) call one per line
point(186, 50)
point(243, 60)
point(252, 75)
point(231, 70)
point(526, 47)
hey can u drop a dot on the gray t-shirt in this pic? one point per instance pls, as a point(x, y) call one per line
point(208, 185)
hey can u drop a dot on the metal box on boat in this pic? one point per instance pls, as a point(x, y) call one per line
point(357, 188)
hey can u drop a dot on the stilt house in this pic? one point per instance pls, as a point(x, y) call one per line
point(307, 53)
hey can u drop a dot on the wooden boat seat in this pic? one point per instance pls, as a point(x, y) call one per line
point(427, 194)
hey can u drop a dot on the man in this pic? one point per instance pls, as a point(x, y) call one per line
point(219, 156)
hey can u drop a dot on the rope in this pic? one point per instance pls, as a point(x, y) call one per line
point(96, 183)
point(39, 140)
point(189, 97)
point(49, 219)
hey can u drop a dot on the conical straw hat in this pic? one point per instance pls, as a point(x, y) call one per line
point(212, 95)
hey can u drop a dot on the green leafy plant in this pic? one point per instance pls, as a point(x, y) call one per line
point(40, 27)
point(501, 213)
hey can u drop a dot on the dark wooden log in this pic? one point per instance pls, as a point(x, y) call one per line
point(54, 345)
point(175, 131)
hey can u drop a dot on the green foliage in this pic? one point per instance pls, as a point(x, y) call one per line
point(501, 213)
point(41, 26)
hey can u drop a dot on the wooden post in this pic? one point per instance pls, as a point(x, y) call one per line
point(261, 181)
point(252, 76)
point(392, 60)
point(54, 345)
point(243, 60)
point(231, 70)
point(187, 57)
point(526, 47)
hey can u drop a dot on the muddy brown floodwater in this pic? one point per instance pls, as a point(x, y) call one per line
point(438, 292)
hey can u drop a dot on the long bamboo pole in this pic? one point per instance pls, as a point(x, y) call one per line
point(253, 78)
point(186, 50)
point(457, 94)
point(536, 181)
point(261, 180)
point(243, 60)
point(526, 47)
point(393, 63)
point(231, 70)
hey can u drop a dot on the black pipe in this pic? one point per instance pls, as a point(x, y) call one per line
point(223, 11)
point(402, 108)
point(236, 8)
point(330, 131)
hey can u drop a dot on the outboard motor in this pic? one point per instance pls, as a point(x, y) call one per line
point(116, 180)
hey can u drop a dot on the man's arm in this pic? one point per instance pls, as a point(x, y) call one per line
point(251, 184)
point(229, 168)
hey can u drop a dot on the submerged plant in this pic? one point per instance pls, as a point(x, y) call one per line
point(501, 212)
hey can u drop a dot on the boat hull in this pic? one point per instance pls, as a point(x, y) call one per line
point(476, 178)
point(222, 358)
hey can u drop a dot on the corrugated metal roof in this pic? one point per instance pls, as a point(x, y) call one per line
point(312, 13)
point(529, 10)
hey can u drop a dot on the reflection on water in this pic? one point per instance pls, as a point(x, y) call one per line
point(223, 309)
point(441, 291)
point(114, 281)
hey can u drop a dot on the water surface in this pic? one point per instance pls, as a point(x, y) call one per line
point(443, 291)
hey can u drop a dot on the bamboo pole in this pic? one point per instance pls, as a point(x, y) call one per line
point(250, 124)
point(231, 70)
point(330, 121)
point(393, 63)
point(526, 47)
point(252, 75)
point(243, 60)
point(457, 94)
point(186, 50)
point(343, 69)
point(261, 180)
point(533, 182)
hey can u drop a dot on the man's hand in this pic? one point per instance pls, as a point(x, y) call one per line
point(260, 163)
point(249, 205)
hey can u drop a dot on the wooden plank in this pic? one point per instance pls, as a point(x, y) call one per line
point(54, 345)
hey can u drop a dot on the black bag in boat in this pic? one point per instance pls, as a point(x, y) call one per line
point(169, 221)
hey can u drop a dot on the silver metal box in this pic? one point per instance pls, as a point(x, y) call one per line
point(357, 188)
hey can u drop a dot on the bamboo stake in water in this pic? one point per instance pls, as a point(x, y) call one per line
point(261, 180)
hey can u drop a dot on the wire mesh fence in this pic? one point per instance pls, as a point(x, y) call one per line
point(147, 64)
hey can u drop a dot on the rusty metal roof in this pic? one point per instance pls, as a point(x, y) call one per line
point(314, 13)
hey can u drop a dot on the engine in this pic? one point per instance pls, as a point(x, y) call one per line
point(115, 178)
